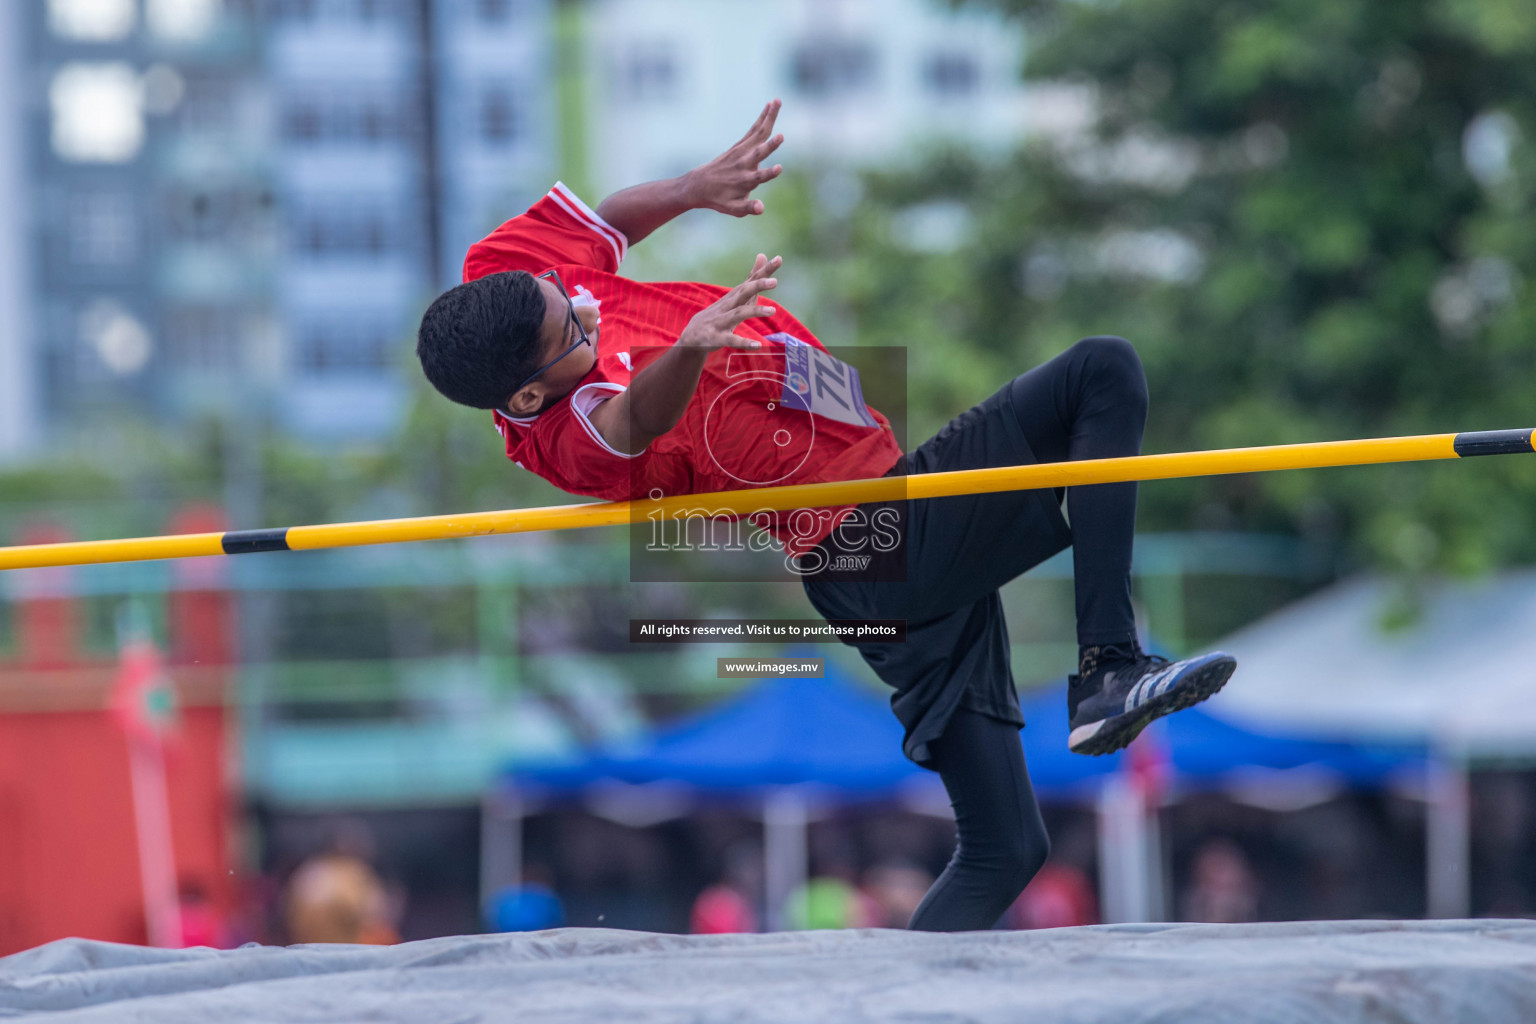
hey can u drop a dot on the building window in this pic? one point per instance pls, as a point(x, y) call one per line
point(951, 75)
point(302, 121)
point(91, 21)
point(377, 10)
point(498, 116)
point(208, 105)
point(103, 232)
point(343, 346)
point(96, 113)
point(339, 231)
point(199, 215)
point(648, 73)
point(332, 10)
point(829, 67)
point(203, 339)
point(344, 119)
point(184, 21)
point(494, 11)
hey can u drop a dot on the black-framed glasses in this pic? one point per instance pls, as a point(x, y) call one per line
point(583, 340)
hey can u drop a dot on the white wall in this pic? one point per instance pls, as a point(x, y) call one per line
point(730, 56)
point(484, 182)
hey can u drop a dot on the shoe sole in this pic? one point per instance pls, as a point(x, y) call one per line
point(1111, 734)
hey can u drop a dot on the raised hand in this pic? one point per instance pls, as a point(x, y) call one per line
point(727, 181)
point(715, 325)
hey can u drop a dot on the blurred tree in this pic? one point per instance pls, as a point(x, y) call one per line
point(1313, 217)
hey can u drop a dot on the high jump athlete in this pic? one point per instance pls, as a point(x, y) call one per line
point(650, 398)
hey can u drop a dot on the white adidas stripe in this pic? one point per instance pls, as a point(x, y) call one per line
point(571, 203)
point(1146, 687)
point(584, 399)
point(1163, 685)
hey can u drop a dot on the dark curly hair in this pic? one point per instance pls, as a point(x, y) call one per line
point(480, 339)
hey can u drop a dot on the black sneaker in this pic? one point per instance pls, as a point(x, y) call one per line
point(1117, 697)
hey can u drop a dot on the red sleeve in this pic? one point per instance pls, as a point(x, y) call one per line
point(571, 445)
point(556, 230)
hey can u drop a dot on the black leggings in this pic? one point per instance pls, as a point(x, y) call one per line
point(1002, 840)
point(1090, 402)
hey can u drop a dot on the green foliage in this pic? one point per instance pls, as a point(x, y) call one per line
point(1313, 217)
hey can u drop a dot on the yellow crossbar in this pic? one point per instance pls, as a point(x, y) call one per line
point(847, 492)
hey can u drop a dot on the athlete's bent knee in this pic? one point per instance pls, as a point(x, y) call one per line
point(1115, 360)
point(1027, 854)
point(1113, 354)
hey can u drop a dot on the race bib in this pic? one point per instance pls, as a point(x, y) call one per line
point(822, 384)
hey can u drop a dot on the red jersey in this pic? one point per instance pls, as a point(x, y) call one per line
point(788, 413)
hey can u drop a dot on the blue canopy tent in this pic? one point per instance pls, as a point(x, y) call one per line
point(1206, 751)
point(1199, 751)
point(786, 746)
point(791, 745)
point(781, 732)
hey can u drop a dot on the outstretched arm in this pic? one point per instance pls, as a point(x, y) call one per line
point(659, 393)
point(724, 184)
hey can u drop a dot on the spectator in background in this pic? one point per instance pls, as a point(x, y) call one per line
point(831, 899)
point(338, 897)
point(830, 902)
point(201, 924)
point(1222, 887)
point(531, 906)
point(721, 910)
point(1060, 896)
point(730, 905)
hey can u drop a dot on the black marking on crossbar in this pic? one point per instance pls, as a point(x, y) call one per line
point(246, 542)
point(1493, 442)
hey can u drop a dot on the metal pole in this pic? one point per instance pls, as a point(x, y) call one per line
point(785, 854)
point(1448, 837)
point(1125, 871)
point(1373, 451)
point(501, 843)
point(157, 855)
